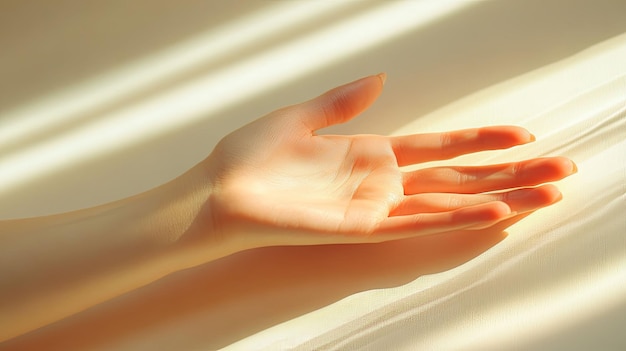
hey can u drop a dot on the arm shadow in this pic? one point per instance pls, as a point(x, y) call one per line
point(214, 305)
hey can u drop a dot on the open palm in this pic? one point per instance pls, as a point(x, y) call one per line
point(277, 182)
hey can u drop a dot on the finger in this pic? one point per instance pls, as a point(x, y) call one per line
point(472, 217)
point(341, 104)
point(519, 200)
point(471, 180)
point(411, 149)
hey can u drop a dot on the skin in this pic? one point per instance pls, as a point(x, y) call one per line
point(272, 182)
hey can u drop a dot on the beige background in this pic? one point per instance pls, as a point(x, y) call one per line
point(49, 46)
point(52, 49)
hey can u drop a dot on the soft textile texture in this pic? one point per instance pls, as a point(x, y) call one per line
point(559, 280)
point(92, 113)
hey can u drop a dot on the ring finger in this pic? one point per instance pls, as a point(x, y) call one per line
point(519, 200)
point(472, 180)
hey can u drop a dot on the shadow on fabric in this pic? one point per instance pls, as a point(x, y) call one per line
point(237, 296)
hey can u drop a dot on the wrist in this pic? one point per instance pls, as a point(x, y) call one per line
point(184, 222)
point(99, 253)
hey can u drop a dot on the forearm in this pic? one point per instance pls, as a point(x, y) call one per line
point(52, 267)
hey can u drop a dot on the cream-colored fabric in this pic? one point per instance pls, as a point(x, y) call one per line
point(559, 273)
point(106, 101)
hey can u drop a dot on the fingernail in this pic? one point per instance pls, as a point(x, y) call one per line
point(558, 197)
point(574, 168)
point(532, 137)
point(510, 213)
point(382, 77)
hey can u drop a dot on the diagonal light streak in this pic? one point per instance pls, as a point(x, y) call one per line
point(185, 104)
point(106, 89)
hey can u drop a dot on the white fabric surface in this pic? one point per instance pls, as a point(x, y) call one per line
point(548, 285)
point(93, 113)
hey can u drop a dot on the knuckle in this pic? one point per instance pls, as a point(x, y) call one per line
point(453, 202)
point(446, 144)
point(517, 169)
point(461, 178)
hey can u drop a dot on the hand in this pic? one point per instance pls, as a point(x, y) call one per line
point(272, 182)
point(275, 182)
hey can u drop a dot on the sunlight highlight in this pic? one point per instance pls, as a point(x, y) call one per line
point(569, 301)
point(107, 89)
point(187, 103)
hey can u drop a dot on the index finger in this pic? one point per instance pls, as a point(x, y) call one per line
point(417, 148)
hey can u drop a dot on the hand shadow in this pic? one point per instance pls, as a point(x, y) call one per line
point(216, 304)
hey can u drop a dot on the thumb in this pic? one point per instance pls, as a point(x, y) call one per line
point(341, 104)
